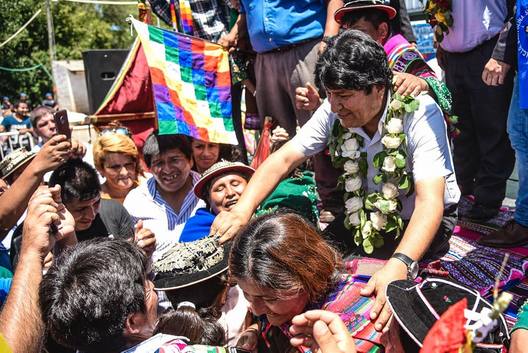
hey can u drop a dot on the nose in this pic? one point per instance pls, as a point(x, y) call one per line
point(257, 307)
point(230, 191)
point(123, 171)
point(208, 151)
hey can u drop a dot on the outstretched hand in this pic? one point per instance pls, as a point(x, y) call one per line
point(393, 270)
point(322, 331)
point(52, 155)
point(228, 224)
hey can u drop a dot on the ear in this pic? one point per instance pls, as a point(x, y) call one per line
point(383, 32)
point(134, 324)
point(379, 90)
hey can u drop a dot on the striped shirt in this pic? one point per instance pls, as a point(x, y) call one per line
point(146, 203)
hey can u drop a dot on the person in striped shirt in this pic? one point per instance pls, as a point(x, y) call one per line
point(166, 200)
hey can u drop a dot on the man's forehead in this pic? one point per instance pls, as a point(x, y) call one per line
point(173, 152)
point(45, 118)
point(78, 203)
point(342, 91)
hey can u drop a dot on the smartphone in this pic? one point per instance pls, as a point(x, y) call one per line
point(61, 123)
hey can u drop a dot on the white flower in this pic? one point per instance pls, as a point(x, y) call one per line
point(350, 145)
point(390, 191)
point(393, 205)
point(366, 230)
point(389, 164)
point(396, 104)
point(353, 219)
point(347, 135)
point(353, 155)
point(351, 167)
point(395, 126)
point(390, 141)
point(353, 184)
point(379, 220)
point(354, 204)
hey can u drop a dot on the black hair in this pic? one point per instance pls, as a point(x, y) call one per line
point(89, 292)
point(158, 144)
point(188, 322)
point(78, 180)
point(284, 252)
point(17, 104)
point(353, 61)
point(372, 15)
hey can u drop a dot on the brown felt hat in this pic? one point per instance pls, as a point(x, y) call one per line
point(358, 5)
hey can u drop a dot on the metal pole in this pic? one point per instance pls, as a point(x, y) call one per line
point(51, 34)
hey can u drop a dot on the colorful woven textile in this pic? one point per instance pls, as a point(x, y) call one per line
point(186, 17)
point(191, 84)
point(476, 266)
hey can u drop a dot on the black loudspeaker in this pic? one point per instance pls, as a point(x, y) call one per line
point(101, 68)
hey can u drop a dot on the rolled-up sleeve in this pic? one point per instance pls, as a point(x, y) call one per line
point(313, 137)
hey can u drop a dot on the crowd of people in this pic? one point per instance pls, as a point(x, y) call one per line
point(181, 246)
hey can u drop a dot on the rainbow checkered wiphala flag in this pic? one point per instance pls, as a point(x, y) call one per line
point(191, 84)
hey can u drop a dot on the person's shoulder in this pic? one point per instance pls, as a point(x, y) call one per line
point(109, 205)
point(136, 198)
point(428, 109)
point(8, 119)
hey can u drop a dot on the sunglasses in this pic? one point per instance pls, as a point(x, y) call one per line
point(115, 130)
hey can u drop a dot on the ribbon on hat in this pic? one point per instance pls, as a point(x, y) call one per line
point(186, 304)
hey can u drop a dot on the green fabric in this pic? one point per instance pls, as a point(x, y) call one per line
point(297, 193)
point(522, 318)
point(443, 96)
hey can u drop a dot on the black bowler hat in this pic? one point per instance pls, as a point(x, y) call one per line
point(189, 263)
point(418, 306)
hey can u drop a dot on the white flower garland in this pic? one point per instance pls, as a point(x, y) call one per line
point(370, 215)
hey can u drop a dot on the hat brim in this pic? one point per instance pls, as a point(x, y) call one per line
point(338, 15)
point(171, 281)
point(20, 165)
point(200, 185)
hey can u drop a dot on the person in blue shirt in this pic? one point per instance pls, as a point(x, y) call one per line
point(286, 34)
point(19, 121)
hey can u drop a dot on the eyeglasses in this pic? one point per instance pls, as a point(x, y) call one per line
point(115, 130)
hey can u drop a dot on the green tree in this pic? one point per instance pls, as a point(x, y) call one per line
point(78, 27)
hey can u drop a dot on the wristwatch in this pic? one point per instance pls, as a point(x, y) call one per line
point(412, 266)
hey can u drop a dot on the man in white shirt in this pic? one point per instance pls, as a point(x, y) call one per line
point(355, 73)
point(165, 201)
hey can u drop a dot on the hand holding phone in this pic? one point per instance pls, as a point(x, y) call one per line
point(61, 123)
